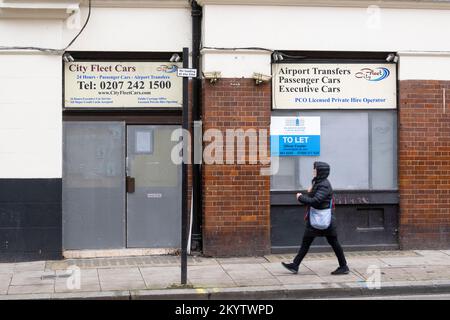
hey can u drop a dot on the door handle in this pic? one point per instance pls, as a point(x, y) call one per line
point(130, 184)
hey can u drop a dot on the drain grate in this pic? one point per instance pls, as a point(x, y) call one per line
point(54, 276)
point(166, 260)
point(94, 263)
point(351, 254)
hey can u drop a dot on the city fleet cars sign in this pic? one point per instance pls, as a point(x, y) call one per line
point(295, 136)
point(334, 86)
point(122, 85)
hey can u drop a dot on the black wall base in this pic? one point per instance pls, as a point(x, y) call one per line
point(30, 219)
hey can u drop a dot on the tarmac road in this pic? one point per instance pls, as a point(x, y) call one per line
point(400, 297)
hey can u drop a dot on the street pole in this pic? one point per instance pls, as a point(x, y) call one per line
point(184, 212)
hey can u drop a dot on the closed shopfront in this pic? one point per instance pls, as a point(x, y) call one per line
point(89, 104)
point(121, 188)
point(354, 104)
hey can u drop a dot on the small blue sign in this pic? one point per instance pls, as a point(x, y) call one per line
point(294, 145)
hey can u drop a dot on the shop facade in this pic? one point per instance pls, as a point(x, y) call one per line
point(399, 197)
point(83, 174)
point(97, 125)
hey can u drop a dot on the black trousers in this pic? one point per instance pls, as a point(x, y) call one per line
point(332, 240)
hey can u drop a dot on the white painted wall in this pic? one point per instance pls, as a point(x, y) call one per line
point(236, 64)
point(132, 29)
point(320, 28)
point(428, 66)
point(30, 116)
point(31, 83)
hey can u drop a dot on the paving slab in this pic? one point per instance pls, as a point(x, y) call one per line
point(160, 277)
point(430, 272)
point(29, 266)
point(299, 279)
point(431, 253)
point(89, 281)
point(122, 285)
point(85, 286)
point(247, 277)
point(121, 279)
point(203, 261)
point(7, 268)
point(387, 274)
point(421, 261)
point(351, 277)
point(28, 289)
point(120, 274)
point(396, 274)
point(206, 272)
point(365, 262)
point(5, 280)
point(321, 268)
point(257, 282)
point(246, 271)
point(209, 276)
point(311, 286)
point(212, 282)
point(243, 260)
point(276, 269)
point(33, 278)
point(152, 273)
point(272, 258)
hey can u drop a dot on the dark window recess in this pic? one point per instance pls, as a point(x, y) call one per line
point(371, 219)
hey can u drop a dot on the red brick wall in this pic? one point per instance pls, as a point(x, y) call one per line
point(424, 164)
point(236, 198)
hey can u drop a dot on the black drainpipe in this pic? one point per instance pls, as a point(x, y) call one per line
point(196, 13)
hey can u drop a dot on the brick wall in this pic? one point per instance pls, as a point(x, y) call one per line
point(236, 198)
point(424, 164)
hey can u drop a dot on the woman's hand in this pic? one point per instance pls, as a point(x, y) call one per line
point(298, 195)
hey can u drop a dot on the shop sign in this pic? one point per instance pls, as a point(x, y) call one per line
point(122, 85)
point(295, 136)
point(334, 86)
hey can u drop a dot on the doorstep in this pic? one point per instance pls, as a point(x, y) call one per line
point(111, 253)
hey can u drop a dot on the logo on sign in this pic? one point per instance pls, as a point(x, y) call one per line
point(167, 69)
point(369, 74)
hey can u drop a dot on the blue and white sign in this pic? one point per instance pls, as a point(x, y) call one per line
point(295, 136)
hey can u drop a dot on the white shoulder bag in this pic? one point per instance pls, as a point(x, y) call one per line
point(320, 218)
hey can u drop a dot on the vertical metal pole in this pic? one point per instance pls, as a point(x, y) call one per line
point(196, 12)
point(184, 212)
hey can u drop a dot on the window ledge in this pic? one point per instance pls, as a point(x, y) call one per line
point(38, 9)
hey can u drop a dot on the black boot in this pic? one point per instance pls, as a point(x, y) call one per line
point(291, 267)
point(341, 270)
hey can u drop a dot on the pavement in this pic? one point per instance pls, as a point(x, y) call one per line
point(373, 274)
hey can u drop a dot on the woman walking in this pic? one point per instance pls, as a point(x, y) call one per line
point(319, 198)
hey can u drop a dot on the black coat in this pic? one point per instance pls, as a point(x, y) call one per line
point(319, 198)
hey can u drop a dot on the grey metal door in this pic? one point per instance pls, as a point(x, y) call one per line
point(153, 188)
point(94, 185)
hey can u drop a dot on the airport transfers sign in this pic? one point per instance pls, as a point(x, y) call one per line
point(334, 86)
point(294, 136)
point(122, 85)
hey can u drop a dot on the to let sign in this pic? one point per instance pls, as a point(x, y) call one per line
point(122, 85)
point(294, 136)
